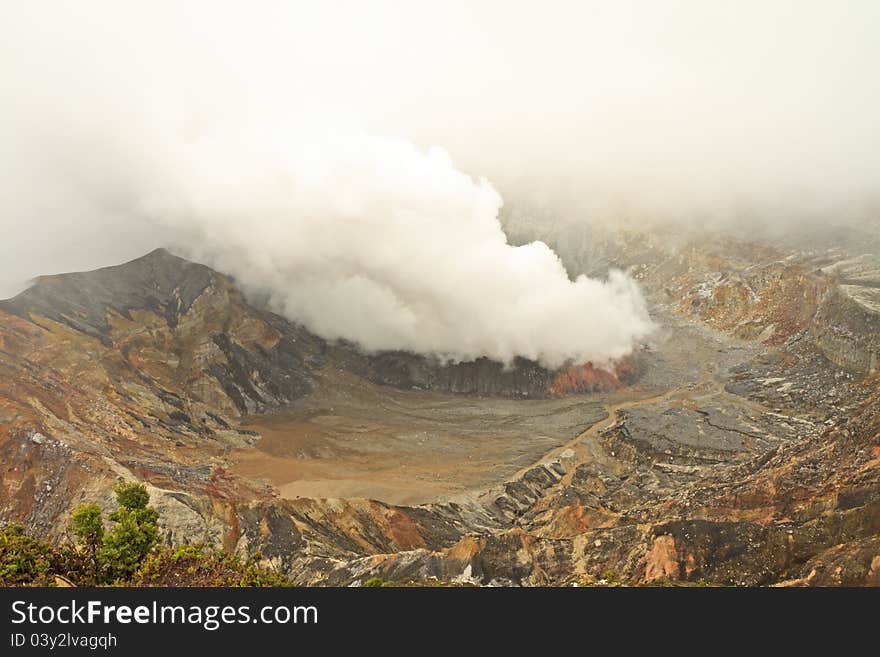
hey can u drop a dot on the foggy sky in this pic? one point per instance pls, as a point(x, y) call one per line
point(690, 111)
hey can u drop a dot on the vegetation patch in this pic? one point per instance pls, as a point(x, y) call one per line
point(125, 554)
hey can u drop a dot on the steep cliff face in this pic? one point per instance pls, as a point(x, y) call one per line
point(479, 377)
point(847, 325)
point(174, 328)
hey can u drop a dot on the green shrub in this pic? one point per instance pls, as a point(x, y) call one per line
point(106, 556)
point(83, 565)
point(374, 582)
point(88, 526)
point(203, 566)
point(131, 495)
point(23, 559)
point(134, 534)
point(125, 554)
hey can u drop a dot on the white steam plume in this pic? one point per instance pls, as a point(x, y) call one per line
point(678, 114)
point(373, 241)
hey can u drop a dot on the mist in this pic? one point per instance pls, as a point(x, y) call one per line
point(351, 159)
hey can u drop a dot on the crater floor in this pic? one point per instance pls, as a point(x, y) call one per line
point(353, 438)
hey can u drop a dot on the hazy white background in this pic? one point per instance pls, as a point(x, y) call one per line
point(237, 126)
